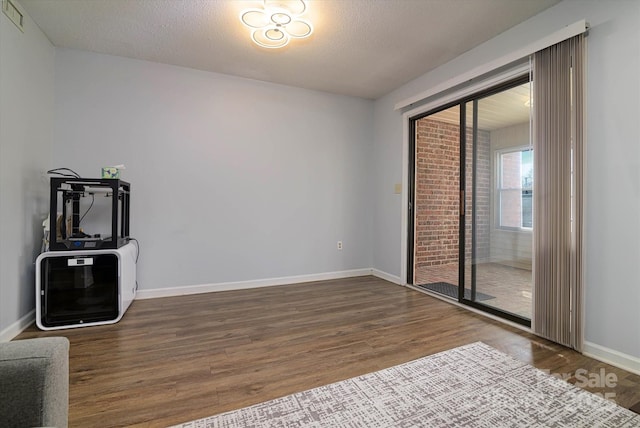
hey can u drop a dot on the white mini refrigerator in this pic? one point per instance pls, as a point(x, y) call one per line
point(84, 288)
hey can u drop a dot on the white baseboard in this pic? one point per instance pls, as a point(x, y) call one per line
point(613, 357)
point(592, 350)
point(18, 327)
point(388, 277)
point(243, 285)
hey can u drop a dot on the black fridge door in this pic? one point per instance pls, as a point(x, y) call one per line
point(79, 289)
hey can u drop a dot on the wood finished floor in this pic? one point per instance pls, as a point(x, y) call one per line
point(171, 360)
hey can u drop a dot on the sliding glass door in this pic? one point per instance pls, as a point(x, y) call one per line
point(437, 200)
point(471, 237)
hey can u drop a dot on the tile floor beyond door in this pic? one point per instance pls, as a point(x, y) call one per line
point(510, 286)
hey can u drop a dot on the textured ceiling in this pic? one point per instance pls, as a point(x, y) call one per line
point(506, 108)
point(364, 48)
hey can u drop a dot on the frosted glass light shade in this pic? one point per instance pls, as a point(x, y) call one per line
point(295, 7)
point(278, 22)
point(270, 38)
point(299, 29)
point(255, 18)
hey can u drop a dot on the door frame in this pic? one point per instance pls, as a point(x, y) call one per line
point(409, 205)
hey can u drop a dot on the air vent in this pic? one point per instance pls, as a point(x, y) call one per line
point(14, 14)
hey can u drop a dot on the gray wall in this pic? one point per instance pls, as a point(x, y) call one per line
point(613, 176)
point(232, 179)
point(26, 127)
point(236, 179)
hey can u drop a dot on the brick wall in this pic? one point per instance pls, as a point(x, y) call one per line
point(438, 193)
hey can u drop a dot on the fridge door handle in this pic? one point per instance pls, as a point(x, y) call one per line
point(84, 261)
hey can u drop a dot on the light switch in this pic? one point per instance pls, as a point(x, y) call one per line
point(398, 188)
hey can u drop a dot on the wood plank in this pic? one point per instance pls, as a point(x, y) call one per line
point(175, 359)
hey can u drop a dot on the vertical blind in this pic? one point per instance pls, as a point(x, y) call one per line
point(558, 139)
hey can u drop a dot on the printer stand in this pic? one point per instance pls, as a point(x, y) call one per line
point(85, 287)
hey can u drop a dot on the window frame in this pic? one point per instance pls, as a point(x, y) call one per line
point(499, 189)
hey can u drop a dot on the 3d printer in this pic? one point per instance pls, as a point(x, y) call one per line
point(88, 214)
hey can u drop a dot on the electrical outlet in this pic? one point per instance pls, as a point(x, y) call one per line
point(339, 245)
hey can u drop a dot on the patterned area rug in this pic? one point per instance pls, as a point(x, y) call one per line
point(471, 386)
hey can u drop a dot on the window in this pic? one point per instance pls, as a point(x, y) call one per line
point(515, 188)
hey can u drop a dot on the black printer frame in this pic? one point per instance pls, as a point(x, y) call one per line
point(120, 191)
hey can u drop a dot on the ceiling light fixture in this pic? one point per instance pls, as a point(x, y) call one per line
point(277, 22)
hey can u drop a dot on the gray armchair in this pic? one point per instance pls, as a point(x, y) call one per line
point(34, 383)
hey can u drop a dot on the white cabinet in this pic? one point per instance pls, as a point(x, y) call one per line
point(85, 287)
